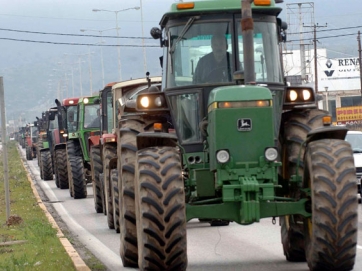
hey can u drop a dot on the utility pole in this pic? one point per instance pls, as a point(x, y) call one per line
point(359, 59)
point(316, 56)
point(5, 148)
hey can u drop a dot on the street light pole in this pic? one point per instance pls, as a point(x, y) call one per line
point(327, 107)
point(101, 42)
point(90, 71)
point(80, 76)
point(143, 42)
point(117, 28)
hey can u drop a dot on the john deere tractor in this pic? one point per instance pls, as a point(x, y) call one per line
point(246, 147)
point(81, 125)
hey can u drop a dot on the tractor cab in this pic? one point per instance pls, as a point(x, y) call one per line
point(204, 48)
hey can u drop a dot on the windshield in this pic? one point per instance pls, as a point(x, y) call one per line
point(72, 115)
point(356, 141)
point(109, 112)
point(206, 54)
point(92, 116)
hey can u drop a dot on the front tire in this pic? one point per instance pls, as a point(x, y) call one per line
point(160, 210)
point(62, 168)
point(78, 186)
point(96, 164)
point(109, 152)
point(297, 125)
point(46, 165)
point(331, 231)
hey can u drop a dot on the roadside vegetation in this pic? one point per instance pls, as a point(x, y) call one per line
point(27, 239)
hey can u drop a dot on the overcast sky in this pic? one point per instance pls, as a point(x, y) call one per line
point(36, 68)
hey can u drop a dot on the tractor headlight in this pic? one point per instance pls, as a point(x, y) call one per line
point(86, 100)
point(293, 96)
point(65, 135)
point(271, 154)
point(301, 97)
point(222, 156)
point(159, 101)
point(306, 95)
point(145, 102)
point(151, 102)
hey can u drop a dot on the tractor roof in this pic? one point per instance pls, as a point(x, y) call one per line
point(214, 6)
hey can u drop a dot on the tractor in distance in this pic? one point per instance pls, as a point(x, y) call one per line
point(46, 156)
point(104, 155)
point(41, 134)
point(31, 140)
point(247, 146)
point(67, 107)
point(86, 121)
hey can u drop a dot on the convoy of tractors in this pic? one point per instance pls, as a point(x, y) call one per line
point(239, 147)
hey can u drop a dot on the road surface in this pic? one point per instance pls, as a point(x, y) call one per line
point(256, 247)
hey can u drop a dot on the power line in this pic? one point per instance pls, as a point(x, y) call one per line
point(327, 37)
point(74, 19)
point(67, 34)
point(335, 29)
point(73, 43)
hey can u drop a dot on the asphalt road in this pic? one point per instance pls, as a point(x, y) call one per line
point(256, 247)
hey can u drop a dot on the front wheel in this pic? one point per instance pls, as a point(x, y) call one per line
point(160, 210)
point(78, 183)
point(96, 165)
point(46, 165)
point(331, 232)
point(62, 168)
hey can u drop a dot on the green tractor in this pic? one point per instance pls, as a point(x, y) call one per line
point(86, 119)
point(65, 127)
point(246, 146)
point(46, 143)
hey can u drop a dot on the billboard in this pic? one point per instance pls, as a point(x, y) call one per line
point(349, 115)
point(339, 74)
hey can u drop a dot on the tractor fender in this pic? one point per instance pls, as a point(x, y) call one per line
point(93, 140)
point(152, 139)
point(60, 146)
point(327, 132)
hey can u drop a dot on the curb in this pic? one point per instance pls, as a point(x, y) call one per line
point(78, 262)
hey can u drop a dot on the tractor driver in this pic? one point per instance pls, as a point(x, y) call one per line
point(215, 66)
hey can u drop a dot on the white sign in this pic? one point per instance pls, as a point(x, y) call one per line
point(339, 74)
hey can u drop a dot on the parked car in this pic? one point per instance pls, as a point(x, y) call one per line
point(355, 139)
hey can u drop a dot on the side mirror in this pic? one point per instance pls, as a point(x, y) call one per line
point(156, 33)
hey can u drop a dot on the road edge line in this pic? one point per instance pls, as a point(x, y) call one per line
point(78, 262)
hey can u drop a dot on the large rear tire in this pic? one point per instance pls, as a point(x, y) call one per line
point(96, 164)
point(127, 148)
point(29, 154)
point(46, 165)
point(160, 210)
point(297, 124)
point(62, 168)
point(115, 198)
point(78, 179)
point(39, 145)
point(109, 152)
point(331, 231)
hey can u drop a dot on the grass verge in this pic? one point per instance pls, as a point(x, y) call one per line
point(40, 248)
